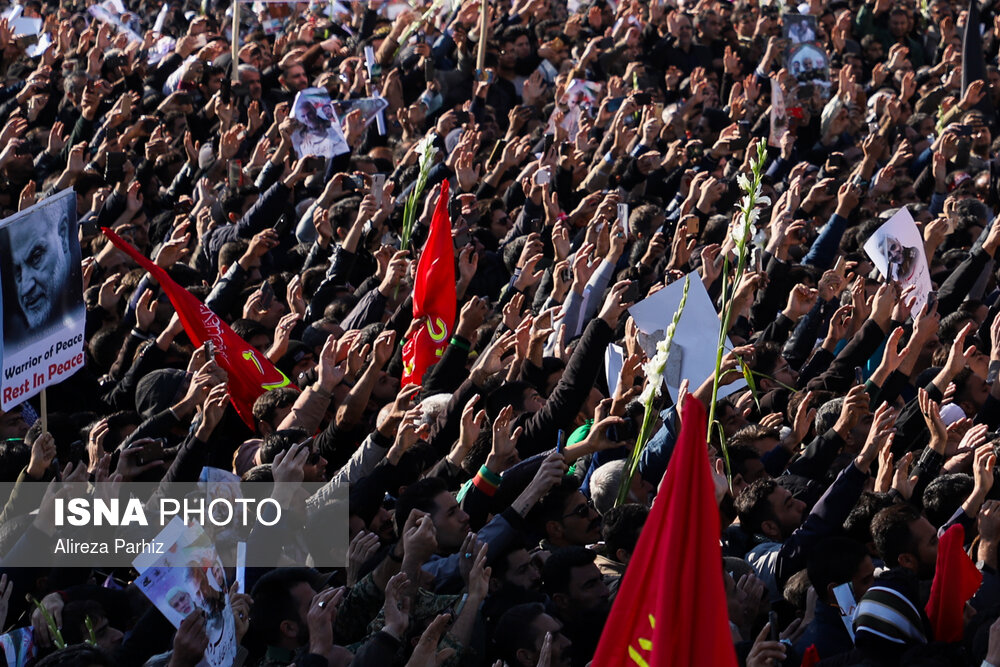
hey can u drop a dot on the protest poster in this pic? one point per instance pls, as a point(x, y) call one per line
point(42, 298)
point(319, 130)
point(897, 251)
point(798, 28)
point(188, 575)
point(371, 107)
point(102, 14)
point(693, 352)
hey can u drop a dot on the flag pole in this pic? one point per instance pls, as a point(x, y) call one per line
point(481, 55)
point(45, 411)
point(235, 75)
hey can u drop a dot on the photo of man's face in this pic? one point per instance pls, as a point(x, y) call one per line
point(40, 262)
point(181, 602)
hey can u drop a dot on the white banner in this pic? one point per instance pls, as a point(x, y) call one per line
point(42, 298)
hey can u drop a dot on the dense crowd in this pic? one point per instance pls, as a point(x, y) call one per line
point(477, 536)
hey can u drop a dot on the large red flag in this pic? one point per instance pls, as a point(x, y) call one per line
point(433, 296)
point(250, 372)
point(671, 606)
point(956, 579)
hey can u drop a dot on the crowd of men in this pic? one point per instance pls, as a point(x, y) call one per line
point(476, 536)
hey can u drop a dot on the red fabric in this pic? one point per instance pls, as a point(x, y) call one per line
point(811, 657)
point(250, 372)
point(956, 579)
point(433, 296)
point(671, 605)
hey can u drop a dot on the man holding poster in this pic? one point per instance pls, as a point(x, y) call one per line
point(42, 289)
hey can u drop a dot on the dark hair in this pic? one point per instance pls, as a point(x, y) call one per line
point(557, 572)
point(858, 523)
point(892, 534)
point(279, 441)
point(513, 631)
point(231, 251)
point(14, 456)
point(766, 357)
point(753, 505)
point(509, 393)
point(944, 495)
point(273, 601)
point(74, 619)
point(550, 507)
point(419, 495)
point(267, 404)
point(752, 432)
point(739, 456)
point(261, 473)
point(77, 655)
point(622, 526)
point(247, 329)
point(833, 561)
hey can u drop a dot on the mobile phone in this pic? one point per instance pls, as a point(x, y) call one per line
point(226, 90)
point(266, 295)
point(831, 188)
point(497, 151)
point(642, 99)
point(962, 130)
point(859, 377)
point(462, 238)
point(614, 104)
point(931, 299)
point(462, 117)
point(606, 43)
point(378, 185)
point(542, 177)
point(772, 619)
point(838, 268)
point(114, 170)
point(234, 173)
point(561, 441)
point(314, 163)
point(758, 260)
point(151, 451)
point(547, 143)
point(351, 183)
point(149, 124)
point(210, 350)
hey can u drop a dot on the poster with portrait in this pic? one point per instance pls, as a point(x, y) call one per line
point(798, 28)
point(319, 130)
point(897, 251)
point(809, 64)
point(189, 576)
point(41, 284)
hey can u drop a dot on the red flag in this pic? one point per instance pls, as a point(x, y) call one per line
point(433, 296)
point(956, 579)
point(671, 606)
point(250, 372)
point(811, 656)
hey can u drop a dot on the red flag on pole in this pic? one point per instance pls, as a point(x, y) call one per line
point(433, 296)
point(250, 372)
point(671, 606)
point(956, 579)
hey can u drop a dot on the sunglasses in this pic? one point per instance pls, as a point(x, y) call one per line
point(582, 511)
